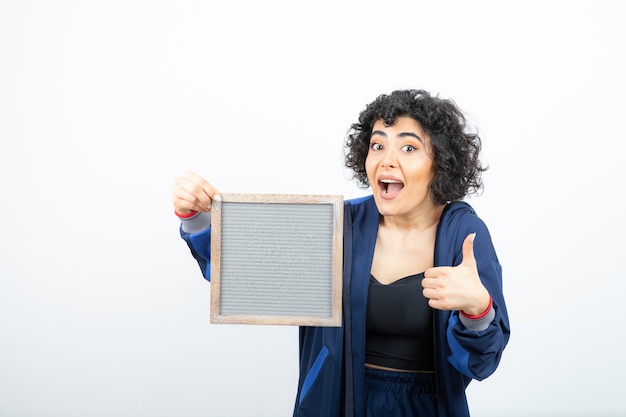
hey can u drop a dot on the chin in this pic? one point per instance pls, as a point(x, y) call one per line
point(385, 207)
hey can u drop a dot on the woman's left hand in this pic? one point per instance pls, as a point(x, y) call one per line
point(457, 287)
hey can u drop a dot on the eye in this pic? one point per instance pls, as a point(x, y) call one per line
point(408, 148)
point(375, 146)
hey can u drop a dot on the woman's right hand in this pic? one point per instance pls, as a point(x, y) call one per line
point(192, 193)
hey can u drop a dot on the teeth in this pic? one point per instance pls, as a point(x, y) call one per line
point(391, 182)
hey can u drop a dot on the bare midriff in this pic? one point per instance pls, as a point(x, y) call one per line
point(384, 368)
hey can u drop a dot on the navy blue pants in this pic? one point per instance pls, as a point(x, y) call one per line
point(399, 394)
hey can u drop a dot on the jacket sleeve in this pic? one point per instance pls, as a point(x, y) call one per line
point(198, 238)
point(477, 353)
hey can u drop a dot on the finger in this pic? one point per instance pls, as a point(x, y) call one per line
point(201, 188)
point(428, 293)
point(433, 272)
point(429, 283)
point(192, 192)
point(437, 304)
point(197, 179)
point(468, 250)
point(185, 201)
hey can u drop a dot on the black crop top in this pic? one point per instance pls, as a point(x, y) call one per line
point(399, 325)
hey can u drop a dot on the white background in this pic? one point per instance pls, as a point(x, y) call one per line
point(103, 312)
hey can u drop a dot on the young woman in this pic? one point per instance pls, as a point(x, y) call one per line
point(423, 307)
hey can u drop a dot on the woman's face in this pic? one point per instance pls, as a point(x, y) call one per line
point(399, 167)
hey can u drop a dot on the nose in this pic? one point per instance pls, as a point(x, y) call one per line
point(389, 159)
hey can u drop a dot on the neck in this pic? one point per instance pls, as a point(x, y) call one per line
point(417, 221)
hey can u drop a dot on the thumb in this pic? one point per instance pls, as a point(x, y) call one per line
point(468, 250)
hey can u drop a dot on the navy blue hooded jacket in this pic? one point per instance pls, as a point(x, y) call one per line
point(332, 372)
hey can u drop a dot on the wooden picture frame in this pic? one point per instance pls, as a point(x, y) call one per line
point(277, 259)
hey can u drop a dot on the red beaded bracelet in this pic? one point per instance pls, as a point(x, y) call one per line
point(186, 215)
point(483, 314)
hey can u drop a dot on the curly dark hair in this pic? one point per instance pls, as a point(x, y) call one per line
point(454, 148)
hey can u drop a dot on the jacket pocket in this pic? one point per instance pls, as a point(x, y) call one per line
point(314, 372)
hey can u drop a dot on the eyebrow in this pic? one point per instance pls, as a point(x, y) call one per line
point(401, 135)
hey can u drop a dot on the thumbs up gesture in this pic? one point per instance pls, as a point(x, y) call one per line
point(457, 287)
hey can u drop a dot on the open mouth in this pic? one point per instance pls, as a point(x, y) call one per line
point(390, 187)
